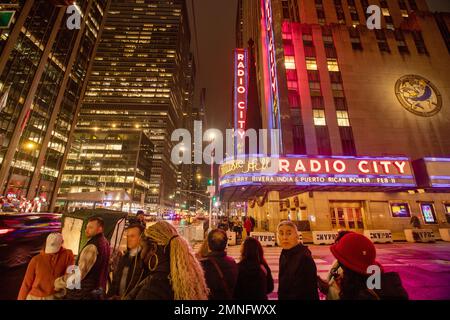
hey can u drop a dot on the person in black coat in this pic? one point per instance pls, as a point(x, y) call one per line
point(130, 268)
point(221, 271)
point(254, 278)
point(298, 272)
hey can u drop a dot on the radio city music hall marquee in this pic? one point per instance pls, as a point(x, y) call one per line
point(318, 171)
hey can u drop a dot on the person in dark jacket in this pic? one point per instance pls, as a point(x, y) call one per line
point(130, 269)
point(298, 272)
point(254, 280)
point(355, 254)
point(221, 271)
point(174, 272)
point(253, 221)
point(93, 264)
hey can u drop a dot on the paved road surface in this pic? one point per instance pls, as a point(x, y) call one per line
point(424, 268)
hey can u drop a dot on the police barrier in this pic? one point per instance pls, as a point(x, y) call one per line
point(445, 234)
point(419, 235)
point(267, 239)
point(324, 237)
point(379, 236)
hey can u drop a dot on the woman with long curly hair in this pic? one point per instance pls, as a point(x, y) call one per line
point(174, 271)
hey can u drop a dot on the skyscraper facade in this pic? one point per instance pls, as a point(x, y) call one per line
point(43, 70)
point(138, 82)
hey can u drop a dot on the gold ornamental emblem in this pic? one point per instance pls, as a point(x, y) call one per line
point(418, 95)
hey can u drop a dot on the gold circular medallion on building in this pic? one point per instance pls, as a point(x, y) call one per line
point(418, 95)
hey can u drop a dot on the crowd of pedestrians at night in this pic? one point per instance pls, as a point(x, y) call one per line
point(159, 264)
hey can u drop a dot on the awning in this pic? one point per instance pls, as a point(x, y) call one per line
point(249, 176)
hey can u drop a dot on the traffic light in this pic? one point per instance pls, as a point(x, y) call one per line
point(214, 199)
point(210, 182)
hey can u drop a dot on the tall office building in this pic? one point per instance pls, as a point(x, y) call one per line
point(138, 81)
point(43, 69)
point(347, 97)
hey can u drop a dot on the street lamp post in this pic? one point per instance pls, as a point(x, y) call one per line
point(212, 136)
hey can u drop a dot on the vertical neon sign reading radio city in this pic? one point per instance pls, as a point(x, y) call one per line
point(274, 110)
point(240, 96)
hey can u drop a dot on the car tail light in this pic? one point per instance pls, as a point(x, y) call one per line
point(5, 231)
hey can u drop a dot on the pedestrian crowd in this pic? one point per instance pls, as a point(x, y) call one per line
point(159, 264)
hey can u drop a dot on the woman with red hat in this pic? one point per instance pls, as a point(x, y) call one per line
point(356, 256)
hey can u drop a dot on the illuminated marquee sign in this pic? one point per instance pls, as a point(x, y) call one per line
point(433, 172)
point(274, 120)
point(240, 92)
point(320, 171)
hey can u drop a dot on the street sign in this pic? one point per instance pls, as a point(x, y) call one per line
point(211, 190)
point(6, 18)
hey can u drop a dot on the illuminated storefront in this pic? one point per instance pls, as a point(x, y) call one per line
point(357, 108)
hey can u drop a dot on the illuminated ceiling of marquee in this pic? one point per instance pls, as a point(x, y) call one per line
point(243, 193)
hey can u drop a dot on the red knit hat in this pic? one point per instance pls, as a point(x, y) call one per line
point(355, 252)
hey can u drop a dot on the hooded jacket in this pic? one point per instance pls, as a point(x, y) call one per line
point(42, 272)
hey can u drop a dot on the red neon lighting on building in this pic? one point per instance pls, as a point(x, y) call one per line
point(240, 90)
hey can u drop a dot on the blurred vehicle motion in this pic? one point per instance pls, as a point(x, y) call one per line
point(22, 235)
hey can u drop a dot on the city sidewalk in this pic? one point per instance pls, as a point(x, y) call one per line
point(424, 268)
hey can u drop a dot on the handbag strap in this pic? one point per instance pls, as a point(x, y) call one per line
point(222, 278)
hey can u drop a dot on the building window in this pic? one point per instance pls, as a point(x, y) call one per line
point(294, 99)
point(314, 86)
point(332, 65)
point(288, 48)
point(400, 210)
point(285, 5)
point(319, 117)
point(337, 87)
point(420, 44)
point(340, 103)
point(299, 139)
point(291, 75)
point(323, 140)
point(311, 64)
point(307, 36)
point(339, 11)
point(401, 44)
point(355, 39)
point(289, 62)
point(348, 143)
point(313, 75)
point(342, 118)
point(413, 5)
point(428, 213)
point(365, 5)
point(310, 51)
point(382, 41)
point(335, 77)
point(317, 102)
point(447, 211)
point(292, 85)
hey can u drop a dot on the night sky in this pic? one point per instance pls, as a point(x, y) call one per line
point(215, 26)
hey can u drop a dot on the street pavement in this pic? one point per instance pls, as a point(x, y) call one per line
point(423, 267)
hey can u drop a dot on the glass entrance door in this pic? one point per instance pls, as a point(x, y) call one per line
point(347, 218)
